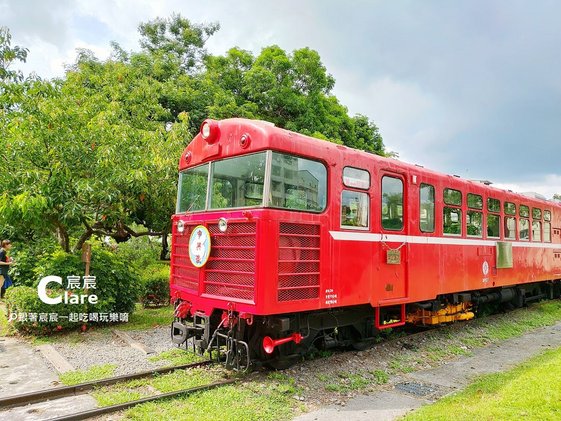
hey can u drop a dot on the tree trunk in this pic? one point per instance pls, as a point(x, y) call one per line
point(83, 238)
point(62, 236)
point(165, 246)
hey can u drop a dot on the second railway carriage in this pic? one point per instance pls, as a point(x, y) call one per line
point(282, 242)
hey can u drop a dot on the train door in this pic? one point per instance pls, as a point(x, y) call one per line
point(391, 279)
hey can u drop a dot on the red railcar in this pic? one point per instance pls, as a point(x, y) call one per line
point(282, 242)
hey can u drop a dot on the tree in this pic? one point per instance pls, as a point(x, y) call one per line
point(177, 39)
point(95, 153)
point(90, 154)
point(8, 55)
point(291, 90)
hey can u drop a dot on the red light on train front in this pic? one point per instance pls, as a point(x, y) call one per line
point(210, 131)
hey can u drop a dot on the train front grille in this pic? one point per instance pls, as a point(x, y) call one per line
point(299, 260)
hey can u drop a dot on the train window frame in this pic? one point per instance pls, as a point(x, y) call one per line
point(364, 204)
point(427, 206)
point(536, 214)
point(510, 208)
point(469, 218)
point(547, 215)
point(349, 180)
point(459, 222)
point(547, 239)
point(448, 194)
point(400, 217)
point(520, 230)
point(506, 229)
point(182, 197)
point(537, 238)
point(269, 190)
point(478, 205)
point(493, 205)
point(524, 211)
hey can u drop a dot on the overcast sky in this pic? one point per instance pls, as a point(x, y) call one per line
point(471, 88)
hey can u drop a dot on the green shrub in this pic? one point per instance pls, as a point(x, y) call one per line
point(38, 316)
point(141, 252)
point(155, 284)
point(116, 283)
point(117, 287)
point(26, 259)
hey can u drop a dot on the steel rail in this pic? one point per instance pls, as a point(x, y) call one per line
point(60, 392)
point(119, 407)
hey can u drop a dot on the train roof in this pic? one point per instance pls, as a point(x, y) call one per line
point(266, 135)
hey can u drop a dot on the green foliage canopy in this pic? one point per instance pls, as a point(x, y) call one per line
point(96, 152)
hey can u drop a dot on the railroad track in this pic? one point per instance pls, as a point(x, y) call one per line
point(60, 392)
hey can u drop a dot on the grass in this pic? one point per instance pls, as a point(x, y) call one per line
point(147, 318)
point(95, 372)
point(380, 376)
point(531, 391)
point(402, 364)
point(176, 380)
point(268, 399)
point(349, 382)
point(176, 356)
point(249, 402)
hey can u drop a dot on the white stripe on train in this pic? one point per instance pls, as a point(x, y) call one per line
point(412, 239)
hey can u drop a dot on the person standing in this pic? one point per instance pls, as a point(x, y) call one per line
point(5, 263)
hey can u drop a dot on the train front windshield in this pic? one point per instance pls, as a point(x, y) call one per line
point(289, 182)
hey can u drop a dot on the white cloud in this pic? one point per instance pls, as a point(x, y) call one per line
point(415, 122)
point(546, 186)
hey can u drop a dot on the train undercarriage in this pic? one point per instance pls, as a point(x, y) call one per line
point(243, 341)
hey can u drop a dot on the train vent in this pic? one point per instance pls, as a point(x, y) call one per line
point(230, 271)
point(183, 272)
point(299, 256)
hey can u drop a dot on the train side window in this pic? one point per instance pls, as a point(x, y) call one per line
point(426, 217)
point(524, 229)
point(453, 197)
point(536, 231)
point(547, 232)
point(536, 213)
point(452, 221)
point(356, 178)
point(524, 211)
point(392, 203)
point(510, 208)
point(493, 205)
point(473, 223)
point(354, 209)
point(475, 201)
point(510, 228)
point(493, 226)
point(547, 215)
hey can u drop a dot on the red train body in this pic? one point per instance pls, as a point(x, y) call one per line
point(312, 243)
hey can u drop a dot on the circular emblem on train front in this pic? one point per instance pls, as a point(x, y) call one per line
point(485, 268)
point(199, 246)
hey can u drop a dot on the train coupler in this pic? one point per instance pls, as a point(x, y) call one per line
point(180, 333)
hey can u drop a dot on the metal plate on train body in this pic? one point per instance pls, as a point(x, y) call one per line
point(393, 257)
point(504, 255)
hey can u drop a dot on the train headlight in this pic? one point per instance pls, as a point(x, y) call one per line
point(205, 130)
point(222, 224)
point(210, 131)
point(180, 226)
